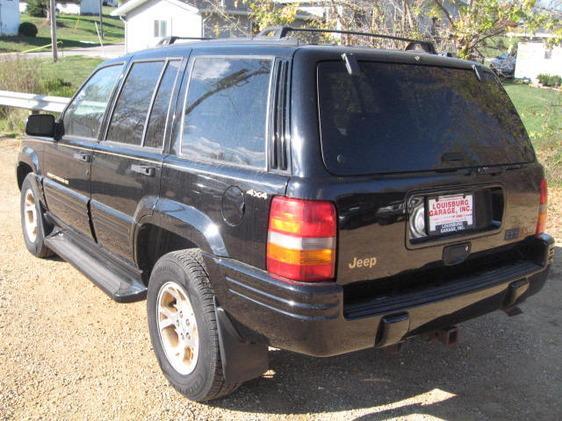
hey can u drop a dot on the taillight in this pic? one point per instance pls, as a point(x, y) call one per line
point(543, 201)
point(301, 240)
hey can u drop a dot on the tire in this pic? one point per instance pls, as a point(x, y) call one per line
point(197, 371)
point(34, 226)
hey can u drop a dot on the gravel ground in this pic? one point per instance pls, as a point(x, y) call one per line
point(68, 351)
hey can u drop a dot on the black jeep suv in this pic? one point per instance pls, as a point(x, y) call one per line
point(317, 198)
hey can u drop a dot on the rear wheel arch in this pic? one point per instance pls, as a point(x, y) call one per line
point(152, 242)
point(172, 226)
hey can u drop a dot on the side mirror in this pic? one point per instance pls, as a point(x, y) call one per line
point(43, 125)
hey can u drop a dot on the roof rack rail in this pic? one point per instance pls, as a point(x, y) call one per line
point(280, 32)
point(171, 40)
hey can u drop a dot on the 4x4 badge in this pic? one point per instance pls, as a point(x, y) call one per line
point(257, 194)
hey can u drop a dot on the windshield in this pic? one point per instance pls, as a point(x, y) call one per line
point(399, 117)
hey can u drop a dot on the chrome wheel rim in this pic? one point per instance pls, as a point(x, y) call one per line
point(177, 327)
point(30, 220)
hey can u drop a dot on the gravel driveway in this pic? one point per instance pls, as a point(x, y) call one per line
point(68, 351)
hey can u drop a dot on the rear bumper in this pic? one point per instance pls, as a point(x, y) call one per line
point(316, 320)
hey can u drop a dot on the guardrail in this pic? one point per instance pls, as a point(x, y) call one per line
point(33, 102)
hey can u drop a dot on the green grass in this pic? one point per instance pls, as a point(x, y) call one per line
point(73, 30)
point(40, 76)
point(540, 109)
point(72, 71)
point(541, 112)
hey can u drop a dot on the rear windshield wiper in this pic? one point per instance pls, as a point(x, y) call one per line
point(453, 157)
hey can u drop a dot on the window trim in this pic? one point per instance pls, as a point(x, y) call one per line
point(153, 99)
point(120, 91)
point(109, 104)
point(193, 59)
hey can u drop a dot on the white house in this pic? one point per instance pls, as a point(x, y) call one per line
point(9, 17)
point(535, 58)
point(149, 21)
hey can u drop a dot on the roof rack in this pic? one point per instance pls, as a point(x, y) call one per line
point(280, 32)
point(171, 40)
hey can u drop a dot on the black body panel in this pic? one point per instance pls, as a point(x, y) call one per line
point(103, 194)
point(66, 165)
point(125, 186)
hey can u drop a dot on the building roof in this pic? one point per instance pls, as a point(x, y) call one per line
point(229, 7)
point(125, 8)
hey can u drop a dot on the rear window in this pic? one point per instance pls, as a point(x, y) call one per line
point(399, 118)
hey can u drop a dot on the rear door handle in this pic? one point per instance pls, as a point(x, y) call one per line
point(144, 170)
point(84, 157)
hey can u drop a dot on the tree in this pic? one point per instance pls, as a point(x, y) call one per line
point(478, 21)
point(264, 13)
point(37, 8)
point(463, 27)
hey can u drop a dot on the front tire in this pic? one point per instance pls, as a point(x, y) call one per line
point(183, 327)
point(33, 223)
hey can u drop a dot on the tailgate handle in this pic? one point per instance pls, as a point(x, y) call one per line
point(453, 255)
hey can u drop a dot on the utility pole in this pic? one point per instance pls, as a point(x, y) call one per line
point(101, 19)
point(53, 15)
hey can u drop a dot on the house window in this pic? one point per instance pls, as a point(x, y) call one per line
point(548, 53)
point(160, 28)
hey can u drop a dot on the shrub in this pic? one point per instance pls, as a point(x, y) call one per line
point(27, 29)
point(550, 80)
point(37, 8)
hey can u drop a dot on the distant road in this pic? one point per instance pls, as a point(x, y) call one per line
point(106, 52)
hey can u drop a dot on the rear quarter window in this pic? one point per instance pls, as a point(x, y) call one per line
point(226, 111)
point(401, 118)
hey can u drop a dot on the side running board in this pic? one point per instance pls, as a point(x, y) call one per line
point(115, 281)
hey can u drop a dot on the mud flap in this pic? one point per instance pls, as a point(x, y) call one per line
point(241, 360)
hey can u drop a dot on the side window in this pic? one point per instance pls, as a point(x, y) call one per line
point(226, 110)
point(129, 115)
point(84, 115)
point(159, 114)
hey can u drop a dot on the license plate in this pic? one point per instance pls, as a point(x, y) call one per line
point(450, 214)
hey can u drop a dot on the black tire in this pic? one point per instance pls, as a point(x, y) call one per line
point(186, 268)
point(36, 245)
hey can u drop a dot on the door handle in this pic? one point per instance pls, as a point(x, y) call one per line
point(144, 170)
point(84, 157)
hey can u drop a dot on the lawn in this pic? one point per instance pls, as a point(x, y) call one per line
point(65, 76)
point(541, 112)
point(40, 76)
point(74, 31)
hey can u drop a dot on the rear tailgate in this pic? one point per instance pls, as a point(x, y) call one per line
point(375, 239)
point(434, 157)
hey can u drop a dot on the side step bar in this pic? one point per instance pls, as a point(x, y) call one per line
point(114, 281)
